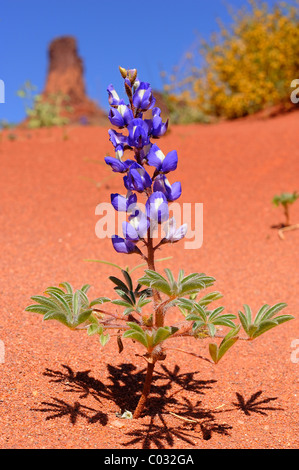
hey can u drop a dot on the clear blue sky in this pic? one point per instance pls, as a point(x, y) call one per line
point(148, 35)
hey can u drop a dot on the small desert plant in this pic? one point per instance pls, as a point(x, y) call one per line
point(285, 199)
point(41, 111)
point(145, 304)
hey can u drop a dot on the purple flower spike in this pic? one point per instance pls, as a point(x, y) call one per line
point(137, 178)
point(171, 234)
point(122, 203)
point(157, 207)
point(120, 116)
point(143, 98)
point(138, 133)
point(124, 246)
point(171, 191)
point(164, 164)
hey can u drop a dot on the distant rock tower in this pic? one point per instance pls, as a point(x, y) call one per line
point(66, 76)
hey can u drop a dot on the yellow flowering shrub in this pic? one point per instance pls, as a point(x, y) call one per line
point(247, 67)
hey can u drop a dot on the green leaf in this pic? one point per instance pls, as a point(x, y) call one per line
point(248, 314)
point(99, 301)
point(83, 316)
point(273, 310)
point(42, 309)
point(135, 326)
point(263, 327)
point(251, 330)
point(215, 313)
point(104, 339)
point(61, 302)
point(233, 332)
point(283, 318)
point(123, 303)
point(128, 279)
point(243, 321)
point(207, 299)
point(170, 278)
point(181, 276)
point(59, 316)
point(163, 333)
point(44, 301)
point(85, 288)
point(93, 329)
point(56, 290)
point(213, 349)
point(212, 329)
point(76, 303)
point(260, 314)
point(135, 335)
point(119, 283)
point(225, 346)
point(67, 286)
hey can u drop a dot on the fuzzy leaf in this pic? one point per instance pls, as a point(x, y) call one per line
point(162, 333)
point(99, 301)
point(104, 339)
point(213, 349)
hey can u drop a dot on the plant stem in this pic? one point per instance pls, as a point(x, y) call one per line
point(287, 215)
point(145, 391)
point(159, 321)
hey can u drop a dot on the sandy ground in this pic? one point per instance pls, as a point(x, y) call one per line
point(61, 389)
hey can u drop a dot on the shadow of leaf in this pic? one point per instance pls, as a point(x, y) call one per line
point(253, 405)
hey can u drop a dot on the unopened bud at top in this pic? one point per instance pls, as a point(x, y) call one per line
point(123, 71)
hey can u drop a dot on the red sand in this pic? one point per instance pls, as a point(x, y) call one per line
point(60, 389)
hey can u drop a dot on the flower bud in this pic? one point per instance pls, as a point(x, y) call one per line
point(123, 71)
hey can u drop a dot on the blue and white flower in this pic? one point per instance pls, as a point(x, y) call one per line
point(172, 234)
point(157, 207)
point(164, 164)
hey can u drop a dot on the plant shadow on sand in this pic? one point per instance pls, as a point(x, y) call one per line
point(124, 383)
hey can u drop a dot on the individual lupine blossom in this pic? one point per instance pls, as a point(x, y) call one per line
point(171, 233)
point(157, 128)
point(145, 155)
point(143, 98)
point(164, 164)
point(171, 191)
point(122, 203)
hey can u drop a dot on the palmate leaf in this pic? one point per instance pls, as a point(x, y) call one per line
point(187, 285)
point(265, 319)
point(149, 338)
point(203, 318)
point(64, 305)
point(127, 293)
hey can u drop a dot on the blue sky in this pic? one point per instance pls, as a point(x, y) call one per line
point(148, 35)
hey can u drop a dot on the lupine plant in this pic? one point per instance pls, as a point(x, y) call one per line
point(285, 199)
point(145, 305)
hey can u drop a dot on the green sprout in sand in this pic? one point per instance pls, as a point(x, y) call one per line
point(285, 199)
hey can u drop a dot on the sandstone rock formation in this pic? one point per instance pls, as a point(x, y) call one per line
point(66, 76)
